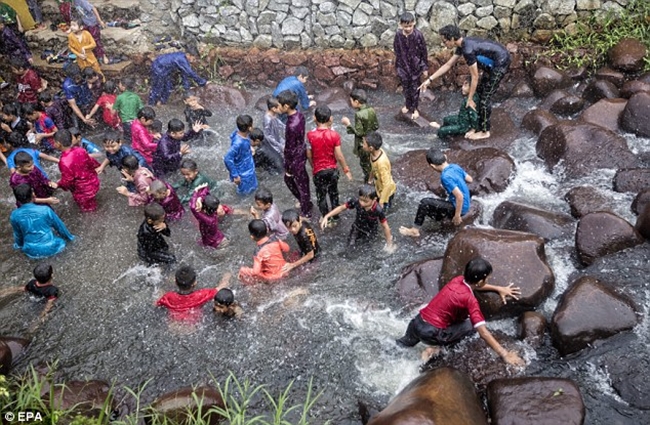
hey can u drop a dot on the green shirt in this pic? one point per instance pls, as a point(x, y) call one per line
point(127, 104)
point(185, 189)
point(7, 13)
point(365, 121)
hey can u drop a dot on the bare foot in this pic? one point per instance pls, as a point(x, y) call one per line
point(405, 109)
point(434, 124)
point(430, 352)
point(415, 115)
point(297, 205)
point(479, 135)
point(106, 60)
point(470, 133)
point(409, 231)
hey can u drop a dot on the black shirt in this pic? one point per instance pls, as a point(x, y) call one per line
point(367, 221)
point(306, 240)
point(487, 54)
point(194, 115)
point(47, 290)
point(150, 241)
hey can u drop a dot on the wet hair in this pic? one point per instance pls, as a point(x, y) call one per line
point(12, 108)
point(154, 211)
point(287, 97)
point(77, 19)
point(272, 102)
point(185, 277)
point(112, 136)
point(23, 158)
point(301, 71)
point(476, 270)
point(368, 191)
point(174, 125)
point(264, 195)
point(45, 97)
point(256, 134)
point(323, 114)
point(359, 95)
point(128, 83)
point(192, 50)
point(156, 126)
point(24, 194)
point(187, 95)
point(290, 216)
point(157, 186)
point(374, 140)
point(27, 109)
point(17, 140)
point(210, 204)
point(257, 229)
point(64, 138)
point(110, 87)
point(450, 32)
point(244, 123)
point(189, 164)
point(224, 297)
point(18, 62)
point(435, 157)
point(130, 162)
point(73, 72)
point(406, 17)
point(147, 113)
point(88, 73)
point(74, 132)
point(43, 273)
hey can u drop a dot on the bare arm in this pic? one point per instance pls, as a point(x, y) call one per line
point(225, 281)
point(509, 357)
point(503, 291)
point(473, 72)
point(459, 205)
point(99, 19)
point(440, 72)
point(47, 157)
point(304, 259)
point(387, 235)
point(338, 154)
point(468, 178)
point(76, 110)
point(335, 211)
point(92, 111)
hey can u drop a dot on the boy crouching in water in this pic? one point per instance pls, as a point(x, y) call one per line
point(305, 238)
point(152, 247)
point(268, 262)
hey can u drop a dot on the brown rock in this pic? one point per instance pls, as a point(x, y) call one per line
point(503, 133)
point(632, 87)
point(608, 74)
point(294, 58)
point(532, 326)
point(586, 199)
point(636, 115)
point(602, 233)
point(588, 311)
point(605, 113)
point(643, 221)
point(552, 98)
point(522, 89)
point(537, 120)
point(5, 358)
point(600, 89)
point(524, 218)
point(336, 98)
point(628, 55)
point(323, 73)
point(418, 282)
point(181, 405)
point(11, 349)
point(545, 80)
point(535, 401)
point(640, 201)
point(568, 105)
point(87, 398)
point(388, 83)
point(217, 97)
point(632, 180)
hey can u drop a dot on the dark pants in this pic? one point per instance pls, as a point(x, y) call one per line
point(161, 88)
point(411, 92)
point(437, 209)
point(156, 257)
point(360, 234)
point(268, 159)
point(420, 331)
point(297, 180)
point(95, 31)
point(126, 126)
point(327, 185)
point(486, 87)
point(453, 126)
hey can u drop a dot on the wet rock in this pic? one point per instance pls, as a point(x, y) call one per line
point(336, 98)
point(629, 378)
point(5, 359)
point(524, 218)
point(537, 120)
point(636, 115)
point(474, 213)
point(600, 89)
point(441, 396)
point(640, 201)
point(586, 199)
point(218, 97)
point(608, 74)
point(632, 87)
point(643, 221)
point(568, 105)
point(418, 282)
point(180, 405)
point(260, 105)
point(603, 233)
point(522, 89)
point(632, 180)
point(524, 255)
point(605, 113)
point(588, 311)
point(535, 401)
point(552, 98)
point(628, 55)
point(87, 398)
point(546, 79)
point(11, 348)
point(503, 133)
point(532, 326)
point(583, 148)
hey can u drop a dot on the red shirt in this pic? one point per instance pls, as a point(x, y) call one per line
point(183, 306)
point(452, 305)
point(323, 141)
point(28, 86)
point(110, 117)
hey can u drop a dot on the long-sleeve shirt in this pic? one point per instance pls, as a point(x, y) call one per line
point(274, 131)
point(142, 179)
point(150, 241)
point(365, 121)
point(168, 64)
point(295, 148)
point(142, 141)
point(293, 84)
point(12, 45)
point(78, 171)
point(32, 227)
point(208, 223)
point(384, 182)
point(127, 104)
point(411, 57)
point(268, 260)
point(185, 189)
point(36, 179)
point(172, 205)
point(239, 162)
point(167, 157)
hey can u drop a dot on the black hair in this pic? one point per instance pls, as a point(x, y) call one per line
point(450, 32)
point(224, 297)
point(110, 87)
point(147, 113)
point(157, 186)
point(156, 126)
point(359, 95)
point(43, 273)
point(27, 109)
point(175, 125)
point(189, 164)
point(23, 158)
point(244, 123)
point(17, 140)
point(290, 216)
point(24, 194)
point(88, 73)
point(128, 83)
point(256, 134)
point(301, 71)
point(264, 195)
point(257, 229)
point(476, 270)
point(185, 277)
point(323, 114)
point(435, 157)
point(154, 211)
point(73, 72)
point(272, 102)
point(12, 108)
point(45, 97)
point(18, 62)
point(130, 162)
point(374, 140)
point(74, 131)
point(287, 97)
point(368, 191)
point(210, 204)
point(64, 138)
point(112, 136)
point(192, 50)
point(406, 17)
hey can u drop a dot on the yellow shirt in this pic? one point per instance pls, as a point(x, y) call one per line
point(384, 182)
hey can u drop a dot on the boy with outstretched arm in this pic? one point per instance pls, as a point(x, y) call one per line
point(187, 297)
point(270, 214)
point(365, 121)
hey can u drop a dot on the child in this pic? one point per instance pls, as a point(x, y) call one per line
point(381, 169)
point(17, 143)
point(265, 156)
point(127, 104)
point(194, 111)
point(55, 109)
point(268, 261)
point(27, 173)
point(270, 214)
point(324, 152)
point(41, 287)
point(225, 305)
point(192, 179)
point(464, 121)
point(12, 122)
point(169, 151)
point(106, 101)
point(274, 128)
point(454, 179)
point(164, 194)
point(11, 45)
point(411, 62)
point(365, 121)
point(82, 44)
point(94, 82)
point(92, 149)
point(78, 173)
point(152, 247)
point(92, 22)
point(116, 150)
point(296, 84)
point(44, 128)
point(369, 216)
point(305, 238)
point(139, 177)
point(164, 70)
point(207, 210)
point(239, 158)
point(295, 152)
point(156, 129)
point(28, 81)
point(445, 321)
point(142, 140)
point(78, 95)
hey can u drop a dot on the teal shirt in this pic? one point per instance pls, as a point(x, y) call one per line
point(185, 189)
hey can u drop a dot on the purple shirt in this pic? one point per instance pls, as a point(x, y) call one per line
point(36, 179)
point(411, 58)
point(273, 220)
point(208, 224)
point(172, 205)
point(295, 149)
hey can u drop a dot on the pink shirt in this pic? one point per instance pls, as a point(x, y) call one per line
point(452, 305)
point(142, 141)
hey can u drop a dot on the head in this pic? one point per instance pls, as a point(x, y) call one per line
point(112, 142)
point(263, 198)
point(90, 75)
point(43, 273)
point(224, 297)
point(189, 169)
point(146, 115)
point(372, 142)
point(156, 127)
point(257, 229)
point(110, 87)
point(24, 194)
point(76, 25)
point(244, 123)
point(257, 136)
point(158, 189)
point(367, 196)
point(288, 101)
point(63, 140)
point(407, 23)
point(45, 98)
point(191, 100)
point(273, 105)
point(154, 214)
point(127, 83)
point(10, 111)
point(76, 135)
point(73, 72)
point(450, 34)
point(477, 271)
point(358, 97)
point(191, 53)
point(30, 112)
point(24, 163)
point(293, 222)
point(323, 114)
point(18, 65)
point(436, 159)
point(17, 140)
point(185, 278)
point(465, 88)
point(302, 73)
point(210, 204)
point(130, 164)
point(176, 129)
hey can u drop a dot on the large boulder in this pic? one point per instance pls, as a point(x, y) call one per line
point(524, 218)
point(636, 115)
point(181, 405)
point(588, 311)
point(552, 98)
point(336, 98)
point(218, 97)
point(87, 398)
point(546, 79)
point(628, 55)
point(443, 396)
point(627, 373)
point(602, 233)
point(532, 326)
point(642, 225)
point(418, 282)
point(537, 120)
point(600, 89)
point(5, 359)
point(586, 199)
point(640, 201)
point(503, 132)
point(632, 180)
point(583, 148)
point(568, 105)
point(615, 77)
point(516, 257)
point(535, 401)
point(632, 87)
point(605, 113)
point(10, 350)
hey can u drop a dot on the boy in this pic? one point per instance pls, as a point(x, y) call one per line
point(93, 24)
point(41, 287)
point(140, 178)
point(296, 84)
point(239, 158)
point(44, 128)
point(78, 95)
point(295, 152)
point(365, 121)
point(187, 298)
point(270, 214)
point(29, 83)
point(27, 173)
point(445, 321)
point(370, 216)
point(164, 194)
point(78, 173)
point(152, 247)
point(225, 305)
point(274, 128)
point(464, 121)
point(116, 150)
point(33, 224)
point(106, 101)
point(55, 109)
point(142, 138)
point(268, 261)
point(490, 57)
point(92, 149)
point(164, 70)
point(323, 153)
point(12, 122)
point(194, 111)
point(18, 143)
point(207, 210)
point(381, 169)
point(192, 179)
point(305, 238)
point(265, 156)
point(454, 179)
point(127, 104)
point(170, 151)
point(11, 45)
point(411, 62)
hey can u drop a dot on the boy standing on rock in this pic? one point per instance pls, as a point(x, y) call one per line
point(411, 62)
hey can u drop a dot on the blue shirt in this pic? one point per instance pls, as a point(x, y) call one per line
point(115, 159)
point(79, 92)
point(239, 162)
point(32, 225)
point(11, 163)
point(452, 177)
point(89, 146)
point(293, 84)
point(168, 64)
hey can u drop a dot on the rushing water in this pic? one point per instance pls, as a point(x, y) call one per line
point(335, 320)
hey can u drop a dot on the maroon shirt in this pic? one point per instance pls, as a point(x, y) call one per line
point(208, 224)
point(411, 57)
point(36, 179)
point(452, 305)
point(28, 86)
point(172, 205)
point(295, 150)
